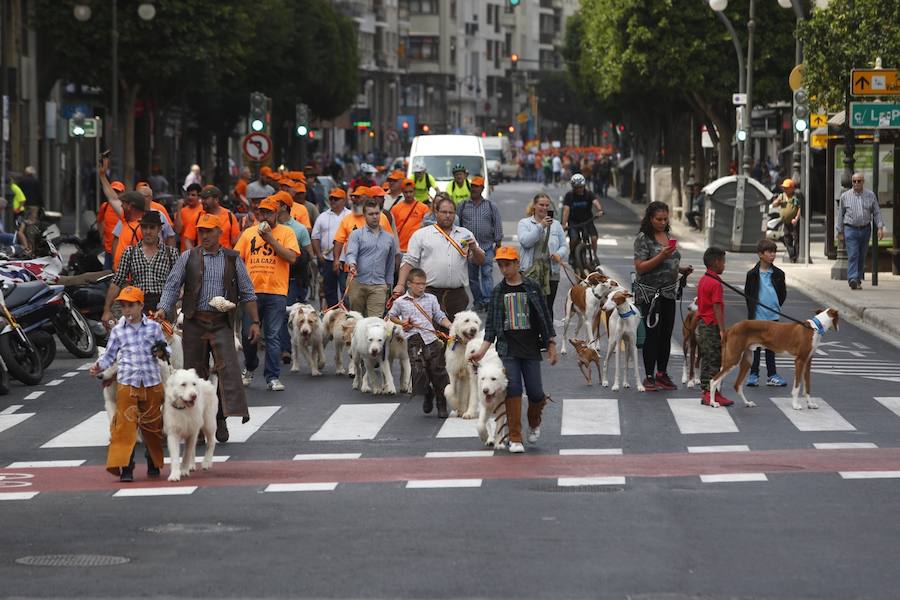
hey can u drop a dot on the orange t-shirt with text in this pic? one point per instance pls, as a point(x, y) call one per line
point(268, 271)
point(408, 218)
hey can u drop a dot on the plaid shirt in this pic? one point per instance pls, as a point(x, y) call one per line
point(493, 329)
point(147, 274)
point(213, 281)
point(404, 308)
point(129, 345)
point(483, 220)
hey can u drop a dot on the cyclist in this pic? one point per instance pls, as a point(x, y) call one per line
point(579, 205)
point(423, 182)
point(459, 188)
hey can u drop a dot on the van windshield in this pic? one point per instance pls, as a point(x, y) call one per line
point(441, 167)
point(493, 154)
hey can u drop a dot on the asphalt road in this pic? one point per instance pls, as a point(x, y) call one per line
point(336, 494)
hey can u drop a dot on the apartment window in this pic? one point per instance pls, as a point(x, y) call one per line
point(452, 9)
point(424, 7)
point(507, 43)
point(490, 49)
point(496, 18)
point(453, 50)
point(490, 14)
point(424, 47)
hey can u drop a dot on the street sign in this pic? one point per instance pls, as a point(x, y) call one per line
point(257, 146)
point(739, 99)
point(871, 115)
point(87, 128)
point(874, 82)
point(818, 120)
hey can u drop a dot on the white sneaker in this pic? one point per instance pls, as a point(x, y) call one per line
point(246, 377)
point(534, 435)
point(275, 386)
point(516, 448)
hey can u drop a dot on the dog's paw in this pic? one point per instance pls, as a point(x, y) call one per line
point(340, 372)
point(749, 403)
point(684, 379)
point(691, 383)
point(564, 351)
point(714, 404)
point(469, 414)
point(174, 476)
point(207, 465)
point(796, 405)
point(811, 404)
point(295, 368)
point(614, 388)
point(626, 385)
point(641, 388)
point(605, 383)
point(316, 373)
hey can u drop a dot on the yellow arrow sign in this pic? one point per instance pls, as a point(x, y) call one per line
point(818, 120)
point(874, 82)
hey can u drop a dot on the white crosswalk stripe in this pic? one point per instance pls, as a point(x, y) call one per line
point(824, 418)
point(355, 422)
point(693, 417)
point(591, 416)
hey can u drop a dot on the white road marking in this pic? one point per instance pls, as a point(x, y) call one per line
point(85, 366)
point(302, 487)
point(11, 420)
point(892, 403)
point(42, 464)
point(824, 418)
point(93, 431)
point(590, 451)
point(11, 409)
point(455, 427)
point(55, 382)
point(843, 445)
point(70, 374)
point(134, 492)
point(592, 416)
point(460, 454)
point(869, 474)
point(17, 495)
point(607, 242)
point(34, 395)
point(427, 484)
point(579, 481)
point(328, 456)
point(711, 449)
point(693, 417)
point(733, 477)
point(355, 422)
point(241, 432)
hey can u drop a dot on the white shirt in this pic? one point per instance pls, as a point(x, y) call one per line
point(557, 164)
point(444, 266)
point(390, 201)
point(192, 178)
point(326, 227)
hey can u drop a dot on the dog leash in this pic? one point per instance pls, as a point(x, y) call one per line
point(340, 303)
point(805, 323)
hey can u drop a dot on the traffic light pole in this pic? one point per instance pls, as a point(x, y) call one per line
point(77, 187)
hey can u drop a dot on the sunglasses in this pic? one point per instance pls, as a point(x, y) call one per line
point(857, 180)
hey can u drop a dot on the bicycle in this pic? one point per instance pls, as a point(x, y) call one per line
point(584, 255)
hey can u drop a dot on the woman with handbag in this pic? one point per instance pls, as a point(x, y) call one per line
point(543, 247)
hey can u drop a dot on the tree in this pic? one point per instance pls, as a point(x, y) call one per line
point(848, 34)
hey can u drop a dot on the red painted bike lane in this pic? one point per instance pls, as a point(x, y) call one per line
point(373, 470)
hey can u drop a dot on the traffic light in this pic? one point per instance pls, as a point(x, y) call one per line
point(514, 59)
point(78, 125)
point(302, 117)
point(425, 128)
point(259, 111)
point(801, 110)
point(511, 129)
point(514, 3)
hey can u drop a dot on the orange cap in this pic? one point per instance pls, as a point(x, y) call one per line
point(478, 180)
point(141, 184)
point(117, 186)
point(297, 175)
point(360, 191)
point(131, 294)
point(207, 221)
point(282, 197)
point(265, 170)
point(506, 253)
point(270, 203)
point(375, 192)
point(395, 175)
point(407, 182)
point(787, 183)
point(337, 193)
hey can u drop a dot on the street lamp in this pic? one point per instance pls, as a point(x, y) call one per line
point(718, 7)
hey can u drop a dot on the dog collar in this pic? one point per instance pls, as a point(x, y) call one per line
point(630, 313)
point(818, 325)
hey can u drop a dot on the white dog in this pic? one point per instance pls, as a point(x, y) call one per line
point(189, 407)
point(306, 338)
point(368, 352)
point(465, 328)
point(338, 325)
point(398, 350)
point(490, 391)
point(623, 324)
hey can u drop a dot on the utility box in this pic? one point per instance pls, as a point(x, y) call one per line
point(736, 208)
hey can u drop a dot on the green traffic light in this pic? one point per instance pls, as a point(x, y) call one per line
point(257, 125)
point(515, 2)
point(302, 130)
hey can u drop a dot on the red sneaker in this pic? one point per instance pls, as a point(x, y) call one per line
point(704, 399)
point(664, 382)
point(650, 385)
point(722, 400)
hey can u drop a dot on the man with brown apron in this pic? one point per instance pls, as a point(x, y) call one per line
point(207, 271)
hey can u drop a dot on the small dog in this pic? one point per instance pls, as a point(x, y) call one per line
point(465, 328)
point(189, 408)
point(306, 338)
point(398, 350)
point(623, 325)
point(369, 352)
point(690, 372)
point(490, 386)
point(586, 357)
point(339, 324)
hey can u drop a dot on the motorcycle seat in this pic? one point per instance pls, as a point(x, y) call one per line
point(23, 292)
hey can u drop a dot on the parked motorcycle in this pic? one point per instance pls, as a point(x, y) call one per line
point(4, 378)
point(88, 293)
point(18, 353)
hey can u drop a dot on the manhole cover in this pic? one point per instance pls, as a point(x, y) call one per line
point(194, 528)
point(72, 560)
point(596, 489)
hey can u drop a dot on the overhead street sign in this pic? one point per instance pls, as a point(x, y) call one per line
point(257, 146)
point(874, 82)
point(88, 127)
point(818, 120)
point(872, 115)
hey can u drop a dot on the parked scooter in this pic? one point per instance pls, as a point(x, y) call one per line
point(88, 293)
point(17, 351)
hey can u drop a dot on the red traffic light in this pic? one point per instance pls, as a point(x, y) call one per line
point(621, 128)
point(511, 129)
point(405, 124)
point(514, 57)
point(426, 128)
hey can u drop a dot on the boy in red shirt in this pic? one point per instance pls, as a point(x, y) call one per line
point(711, 322)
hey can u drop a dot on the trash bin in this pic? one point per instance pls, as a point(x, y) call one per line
point(735, 213)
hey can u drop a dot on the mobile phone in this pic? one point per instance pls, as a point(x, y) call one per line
point(672, 243)
point(105, 153)
point(550, 213)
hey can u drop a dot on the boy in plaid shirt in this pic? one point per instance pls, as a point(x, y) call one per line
point(140, 392)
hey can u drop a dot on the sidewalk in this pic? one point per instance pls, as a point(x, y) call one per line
point(876, 309)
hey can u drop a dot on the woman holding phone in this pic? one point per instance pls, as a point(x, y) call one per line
point(657, 263)
point(542, 246)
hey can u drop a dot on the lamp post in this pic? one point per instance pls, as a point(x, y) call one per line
point(82, 12)
point(742, 84)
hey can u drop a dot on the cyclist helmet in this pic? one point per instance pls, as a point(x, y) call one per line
point(418, 167)
point(578, 180)
point(459, 167)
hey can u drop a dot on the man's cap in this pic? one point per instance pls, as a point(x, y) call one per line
point(337, 193)
point(117, 186)
point(787, 183)
point(282, 197)
point(257, 192)
point(135, 199)
point(208, 221)
point(375, 192)
point(210, 191)
point(151, 217)
point(297, 186)
point(270, 203)
point(265, 170)
point(478, 181)
point(506, 253)
point(360, 190)
point(131, 294)
point(395, 175)
point(296, 175)
point(141, 184)
point(407, 182)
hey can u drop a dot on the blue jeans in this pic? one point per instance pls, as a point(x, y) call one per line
point(271, 315)
point(481, 279)
point(295, 294)
point(856, 240)
point(334, 284)
point(527, 370)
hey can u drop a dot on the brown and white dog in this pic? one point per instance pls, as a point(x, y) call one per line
point(585, 300)
point(623, 325)
point(587, 356)
point(339, 324)
point(799, 340)
point(691, 369)
point(306, 332)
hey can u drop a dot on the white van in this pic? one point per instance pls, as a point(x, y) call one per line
point(496, 151)
point(439, 153)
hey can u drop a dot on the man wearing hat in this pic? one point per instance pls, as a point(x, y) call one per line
point(323, 244)
point(394, 192)
point(145, 266)
point(207, 271)
point(460, 188)
point(423, 182)
point(303, 194)
point(269, 250)
point(299, 210)
point(482, 218)
point(228, 225)
point(788, 203)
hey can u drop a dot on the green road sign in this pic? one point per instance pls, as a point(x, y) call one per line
point(871, 115)
point(85, 127)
